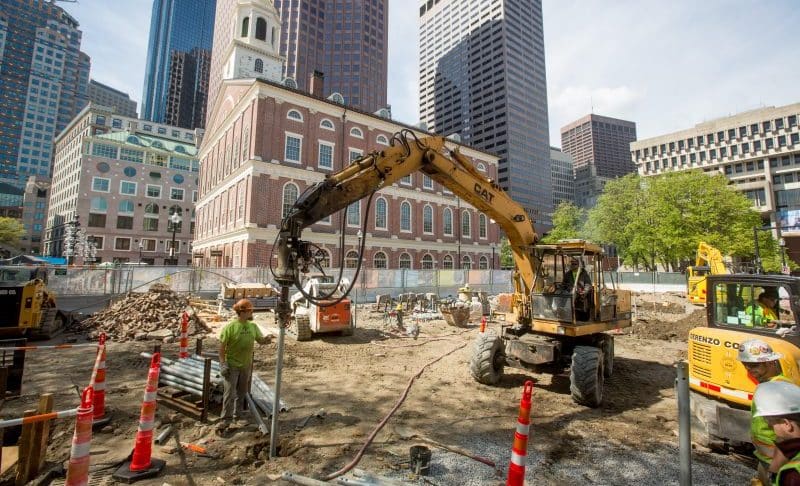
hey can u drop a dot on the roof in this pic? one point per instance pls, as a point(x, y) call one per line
point(573, 247)
point(152, 143)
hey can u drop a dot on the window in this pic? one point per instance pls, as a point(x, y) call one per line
point(129, 172)
point(405, 216)
point(754, 129)
point(766, 126)
point(742, 132)
point(355, 154)
point(176, 194)
point(447, 221)
point(258, 66)
point(153, 191)
point(407, 180)
point(778, 123)
point(354, 214)
point(150, 224)
point(465, 225)
point(98, 205)
point(124, 222)
point(100, 184)
point(97, 220)
point(382, 140)
point(122, 244)
point(177, 179)
point(245, 26)
point(325, 155)
point(757, 146)
point(103, 167)
point(427, 262)
point(326, 124)
point(483, 263)
point(356, 132)
point(466, 262)
point(482, 227)
point(294, 115)
point(148, 245)
point(769, 143)
point(427, 182)
point(96, 240)
point(380, 213)
point(290, 193)
point(127, 188)
point(104, 150)
point(379, 260)
point(293, 145)
point(151, 209)
point(731, 134)
point(736, 306)
point(447, 262)
point(427, 220)
point(405, 261)
point(261, 29)
point(782, 141)
point(351, 259)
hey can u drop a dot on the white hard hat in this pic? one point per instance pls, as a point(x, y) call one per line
point(757, 351)
point(776, 398)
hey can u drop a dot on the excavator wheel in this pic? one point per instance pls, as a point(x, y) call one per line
point(300, 329)
point(608, 355)
point(586, 377)
point(487, 362)
point(348, 331)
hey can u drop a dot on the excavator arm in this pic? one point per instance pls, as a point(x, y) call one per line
point(709, 255)
point(406, 155)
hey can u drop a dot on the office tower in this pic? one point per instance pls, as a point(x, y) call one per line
point(176, 76)
point(104, 95)
point(482, 76)
point(562, 176)
point(43, 84)
point(600, 141)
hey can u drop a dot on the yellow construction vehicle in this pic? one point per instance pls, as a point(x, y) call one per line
point(550, 322)
point(721, 389)
point(709, 261)
point(29, 307)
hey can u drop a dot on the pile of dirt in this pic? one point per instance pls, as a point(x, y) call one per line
point(155, 314)
point(645, 328)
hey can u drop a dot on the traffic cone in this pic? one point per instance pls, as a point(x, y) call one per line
point(98, 385)
point(184, 352)
point(141, 465)
point(516, 469)
point(78, 468)
point(483, 324)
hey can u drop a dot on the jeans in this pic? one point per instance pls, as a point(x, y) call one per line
point(235, 387)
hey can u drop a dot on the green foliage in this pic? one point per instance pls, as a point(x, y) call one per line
point(11, 230)
point(506, 257)
point(568, 221)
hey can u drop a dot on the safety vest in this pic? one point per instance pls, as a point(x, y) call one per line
point(761, 434)
point(794, 463)
point(760, 315)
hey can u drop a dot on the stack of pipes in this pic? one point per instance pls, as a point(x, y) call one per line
point(187, 375)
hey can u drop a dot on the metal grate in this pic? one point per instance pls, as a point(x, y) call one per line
point(700, 353)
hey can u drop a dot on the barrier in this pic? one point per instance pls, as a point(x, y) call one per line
point(98, 384)
point(32, 419)
point(57, 346)
point(516, 468)
point(141, 465)
point(79, 457)
point(184, 352)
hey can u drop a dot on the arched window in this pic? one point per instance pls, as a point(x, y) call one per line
point(99, 205)
point(380, 213)
point(351, 259)
point(356, 132)
point(379, 260)
point(427, 219)
point(447, 221)
point(466, 262)
point(325, 261)
point(261, 29)
point(466, 230)
point(482, 226)
point(447, 262)
point(382, 140)
point(427, 262)
point(273, 36)
point(245, 26)
point(483, 263)
point(294, 115)
point(151, 208)
point(290, 193)
point(405, 216)
point(259, 66)
point(326, 124)
point(125, 207)
point(405, 261)
point(354, 214)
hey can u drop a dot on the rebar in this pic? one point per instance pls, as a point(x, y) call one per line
point(254, 412)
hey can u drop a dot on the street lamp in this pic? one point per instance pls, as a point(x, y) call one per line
point(175, 219)
point(141, 247)
point(493, 246)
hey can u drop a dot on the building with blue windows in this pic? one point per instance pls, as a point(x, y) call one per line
point(44, 78)
point(178, 57)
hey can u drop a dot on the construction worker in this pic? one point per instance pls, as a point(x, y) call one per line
point(762, 366)
point(576, 274)
point(778, 402)
point(763, 312)
point(236, 360)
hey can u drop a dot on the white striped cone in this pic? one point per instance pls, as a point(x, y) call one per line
point(78, 469)
point(143, 446)
point(519, 452)
point(184, 352)
point(98, 382)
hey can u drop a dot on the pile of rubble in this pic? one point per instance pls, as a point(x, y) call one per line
point(155, 314)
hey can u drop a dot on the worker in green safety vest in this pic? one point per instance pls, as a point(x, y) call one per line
point(778, 402)
point(762, 312)
point(763, 366)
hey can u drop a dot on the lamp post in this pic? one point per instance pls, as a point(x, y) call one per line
point(493, 246)
point(784, 268)
point(175, 219)
point(141, 247)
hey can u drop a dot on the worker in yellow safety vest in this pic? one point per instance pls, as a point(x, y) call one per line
point(762, 366)
point(778, 402)
point(763, 312)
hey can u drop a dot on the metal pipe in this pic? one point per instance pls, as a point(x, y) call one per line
point(180, 374)
point(283, 315)
point(164, 435)
point(180, 380)
point(181, 386)
point(302, 480)
point(684, 424)
point(254, 411)
point(184, 368)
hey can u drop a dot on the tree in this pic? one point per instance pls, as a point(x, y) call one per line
point(11, 230)
point(506, 258)
point(568, 221)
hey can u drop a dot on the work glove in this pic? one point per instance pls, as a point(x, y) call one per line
point(225, 370)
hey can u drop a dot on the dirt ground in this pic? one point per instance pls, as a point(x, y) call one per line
point(631, 439)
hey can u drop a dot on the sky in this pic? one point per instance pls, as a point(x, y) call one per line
point(664, 65)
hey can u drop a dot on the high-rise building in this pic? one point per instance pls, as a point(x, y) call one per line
point(600, 141)
point(103, 95)
point(482, 76)
point(562, 174)
point(34, 213)
point(44, 79)
point(176, 76)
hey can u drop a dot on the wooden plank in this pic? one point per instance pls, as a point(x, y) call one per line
point(25, 444)
point(10, 457)
point(41, 432)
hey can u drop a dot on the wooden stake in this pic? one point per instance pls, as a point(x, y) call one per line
point(25, 443)
point(41, 432)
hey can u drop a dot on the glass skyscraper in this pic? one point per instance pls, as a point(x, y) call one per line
point(44, 79)
point(176, 76)
point(482, 76)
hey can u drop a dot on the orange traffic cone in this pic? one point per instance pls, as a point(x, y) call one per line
point(516, 469)
point(483, 324)
point(98, 384)
point(184, 352)
point(141, 465)
point(78, 469)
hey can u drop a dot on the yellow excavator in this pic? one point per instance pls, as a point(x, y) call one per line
point(559, 316)
point(29, 307)
point(709, 261)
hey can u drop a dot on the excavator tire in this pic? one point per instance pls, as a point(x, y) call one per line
point(300, 329)
point(608, 355)
point(586, 377)
point(350, 329)
point(487, 362)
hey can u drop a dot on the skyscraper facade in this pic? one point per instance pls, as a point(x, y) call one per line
point(482, 76)
point(563, 177)
point(176, 76)
point(44, 79)
point(104, 95)
point(600, 141)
